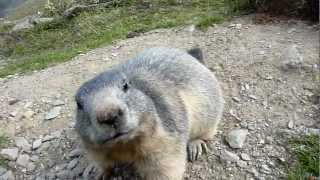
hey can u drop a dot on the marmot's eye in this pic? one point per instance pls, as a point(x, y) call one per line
point(79, 105)
point(125, 87)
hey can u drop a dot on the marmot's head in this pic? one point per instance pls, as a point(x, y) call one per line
point(110, 109)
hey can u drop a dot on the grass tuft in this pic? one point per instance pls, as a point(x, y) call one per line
point(3, 143)
point(307, 151)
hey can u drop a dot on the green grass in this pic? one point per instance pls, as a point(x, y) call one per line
point(307, 151)
point(3, 143)
point(57, 42)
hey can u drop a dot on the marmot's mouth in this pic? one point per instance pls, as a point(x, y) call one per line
point(116, 136)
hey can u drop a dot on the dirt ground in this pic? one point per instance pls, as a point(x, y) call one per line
point(263, 96)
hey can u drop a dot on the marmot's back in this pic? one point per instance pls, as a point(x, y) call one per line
point(175, 73)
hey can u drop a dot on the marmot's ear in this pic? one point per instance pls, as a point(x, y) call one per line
point(196, 53)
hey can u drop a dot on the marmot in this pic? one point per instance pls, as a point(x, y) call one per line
point(153, 111)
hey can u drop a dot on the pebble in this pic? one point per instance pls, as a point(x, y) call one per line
point(28, 114)
point(87, 171)
point(290, 124)
point(53, 113)
point(265, 169)
point(245, 157)
point(36, 144)
point(237, 137)
point(23, 160)
point(58, 102)
point(14, 113)
point(75, 153)
point(22, 143)
point(72, 164)
point(27, 105)
point(242, 164)
point(34, 158)
point(236, 99)
point(13, 101)
point(253, 97)
point(10, 153)
point(229, 156)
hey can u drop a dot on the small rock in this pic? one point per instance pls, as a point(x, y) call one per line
point(10, 153)
point(23, 160)
point(236, 99)
point(22, 143)
point(238, 26)
point(58, 102)
point(7, 176)
point(290, 124)
point(291, 58)
point(265, 169)
point(191, 28)
point(14, 113)
point(42, 20)
point(242, 164)
point(75, 153)
point(73, 164)
point(27, 105)
point(53, 113)
point(13, 101)
point(87, 171)
point(253, 97)
point(245, 157)
point(291, 30)
point(36, 144)
point(237, 137)
point(229, 156)
point(34, 158)
point(244, 124)
point(28, 114)
point(31, 166)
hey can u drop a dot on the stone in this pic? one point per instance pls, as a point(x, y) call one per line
point(13, 101)
point(265, 169)
point(58, 102)
point(75, 153)
point(36, 144)
point(28, 114)
point(10, 153)
point(242, 164)
point(7, 176)
point(236, 99)
point(31, 166)
point(27, 105)
point(23, 160)
point(24, 23)
point(22, 143)
point(14, 113)
point(245, 157)
point(53, 113)
point(237, 137)
point(229, 156)
point(87, 171)
point(291, 58)
point(72, 164)
point(34, 158)
point(290, 124)
point(253, 97)
point(41, 20)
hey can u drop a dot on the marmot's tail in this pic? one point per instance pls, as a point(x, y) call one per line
point(197, 53)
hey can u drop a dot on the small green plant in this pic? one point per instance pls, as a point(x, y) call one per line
point(207, 21)
point(3, 143)
point(307, 151)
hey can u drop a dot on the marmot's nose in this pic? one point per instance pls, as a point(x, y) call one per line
point(109, 116)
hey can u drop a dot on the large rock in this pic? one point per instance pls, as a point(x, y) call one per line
point(25, 23)
point(10, 153)
point(22, 143)
point(291, 58)
point(237, 137)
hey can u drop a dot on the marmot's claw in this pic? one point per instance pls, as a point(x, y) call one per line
point(196, 148)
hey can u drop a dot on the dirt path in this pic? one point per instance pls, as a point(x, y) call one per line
point(271, 102)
